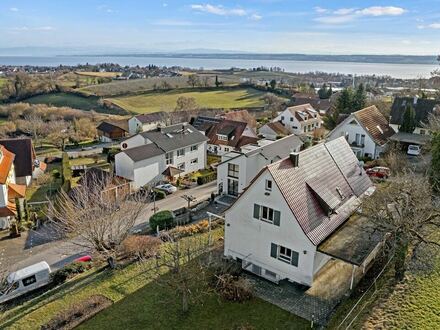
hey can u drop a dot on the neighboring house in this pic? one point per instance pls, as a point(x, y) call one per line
point(146, 122)
point(9, 189)
point(273, 131)
point(279, 224)
point(110, 131)
point(146, 156)
point(237, 169)
point(225, 135)
point(25, 163)
point(241, 115)
point(300, 119)
point(422, 107)
point(321, 105)
point(367, 131)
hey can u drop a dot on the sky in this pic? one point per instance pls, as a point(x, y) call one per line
point(264, 26)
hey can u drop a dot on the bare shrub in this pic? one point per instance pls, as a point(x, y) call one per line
point(141, 247)
point(234, 288)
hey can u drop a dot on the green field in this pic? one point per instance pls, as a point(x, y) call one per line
point(68, 100)
point(2, 81)
point(166, 101)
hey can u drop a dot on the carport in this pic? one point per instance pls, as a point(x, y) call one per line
point(357, 242)
point(405, 139)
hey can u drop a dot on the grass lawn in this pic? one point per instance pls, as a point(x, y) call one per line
point(39, 193)
point(2, 81)
point(67, 100)
point(99, 160)
point(166, 101)
point(140, 303)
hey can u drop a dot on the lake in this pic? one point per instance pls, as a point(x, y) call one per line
point(404, 71)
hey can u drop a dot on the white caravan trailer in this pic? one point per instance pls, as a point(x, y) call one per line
point(25, 280)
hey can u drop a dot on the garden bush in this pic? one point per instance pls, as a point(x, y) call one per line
point(208, 177)
point(184, 231)
point(69, 271)
point(141, 247)
point(233, 288)
point(163, 219)
point(160, 194)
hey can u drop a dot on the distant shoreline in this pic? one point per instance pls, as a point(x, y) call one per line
point(379, 59)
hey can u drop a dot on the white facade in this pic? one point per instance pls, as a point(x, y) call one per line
point(293, 125)
point(189, 159)
point(4, 221)
point(357, 137)
point(268, 132)
point(135, 126)
point(134, 141)
point(418, 130)
point(251, 240)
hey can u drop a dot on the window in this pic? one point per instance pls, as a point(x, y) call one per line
point(181, 166)
point(294, 127)
point(269, 185)
point(284, 254)
point(233, 170)
point(282, 117)
point(305, 129)
point(226, 149)
point(181, 152)
point(267, 214)
point(222, 137)
point(194, 161)
point(291, 118)
point(358, 139)
point(194, 148)
point(29, 280)
point(362, 139)
point(169, 158)
point(422, 132)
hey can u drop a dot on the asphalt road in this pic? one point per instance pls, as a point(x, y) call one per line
point(36, 246)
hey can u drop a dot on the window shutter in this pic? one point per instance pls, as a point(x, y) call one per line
point(273, 250)
point(295, 257)
point(257, 211)
point(276, 218)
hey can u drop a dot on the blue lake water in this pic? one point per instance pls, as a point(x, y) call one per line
point(405, 71)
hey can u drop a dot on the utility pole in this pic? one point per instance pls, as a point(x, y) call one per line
point(189, 199)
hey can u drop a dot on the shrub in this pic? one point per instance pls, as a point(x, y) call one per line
point(160, 194)
point(163, 219)
point(208, 177)
point(141, 247)
point(69, 271)
point(234, 289)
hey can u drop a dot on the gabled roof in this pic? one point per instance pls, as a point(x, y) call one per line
point(314, 101)
point(422, 107)
point(280, 148)
point(204, 123)
point(241, 115)
point(322, 191)
point(151, 117)
point(109, 127)
point(175, 137)
point(375, 124)
point(6, 161)
point(232, 128)
point(303, 112)
point(24, 155)
point(146, 151)
point(278, 128)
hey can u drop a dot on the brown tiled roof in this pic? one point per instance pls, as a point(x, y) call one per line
point(152, 117)
point(237, 128)
point(305, 108)
point(110, 126)
point(375, 123)
point(16, 190)
point(24, 155)
point(241, 115)
point(6, 162)
point(322, 192)
point(8, 211)
point(278, 128)
point(314, 101)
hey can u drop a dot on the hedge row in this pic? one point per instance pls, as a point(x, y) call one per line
point(208, 177)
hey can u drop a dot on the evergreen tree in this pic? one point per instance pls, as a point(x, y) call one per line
point(273, 84)
point(409, 120)
point(344, 103)
point(435, 162)
point(329, 92)
point(323, 92)
point(359, 98)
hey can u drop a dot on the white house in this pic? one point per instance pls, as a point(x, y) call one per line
point(237, 169)
point(367, 131)
point(147, 155)
point(277, 226)
point(300, 119)
point(146, 122)
point(273, 130)
point(9, 190)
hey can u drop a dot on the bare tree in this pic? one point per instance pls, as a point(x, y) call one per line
point(186, 103)
point(96, 217)
point(406, 208)
point(186, 271)
point(193, 80)
point(274, 104)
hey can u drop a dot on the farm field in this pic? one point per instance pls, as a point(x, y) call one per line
point(166, 101)
point(99, 74)
point(68, 100)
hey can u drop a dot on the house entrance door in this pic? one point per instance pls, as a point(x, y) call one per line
point(232, 187)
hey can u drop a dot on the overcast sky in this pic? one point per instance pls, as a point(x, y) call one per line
point(270, 26)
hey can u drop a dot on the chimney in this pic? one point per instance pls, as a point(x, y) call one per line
point(294, 158)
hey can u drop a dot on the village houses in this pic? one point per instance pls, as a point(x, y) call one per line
point(301, 119)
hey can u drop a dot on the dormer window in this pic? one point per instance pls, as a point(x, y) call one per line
point(222, 137)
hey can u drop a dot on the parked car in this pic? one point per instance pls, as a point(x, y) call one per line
point(167, 187)
point(414, 150)
point(83, 259)
point(380, 172)
point(25, 280)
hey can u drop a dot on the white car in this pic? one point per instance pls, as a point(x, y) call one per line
point(168, 188)
point(414, 150)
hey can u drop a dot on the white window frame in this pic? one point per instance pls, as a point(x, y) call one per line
point(169, 158)
point(269, 185)
point(195, 161)
point(269, 216)
point(194, 148)
point(181, 152)
point(284, 254)
point(181, 166)
point(222, 137)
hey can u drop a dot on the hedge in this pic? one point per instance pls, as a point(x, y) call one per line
point(208, 177)
point(160, 194)
point(163, 219)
